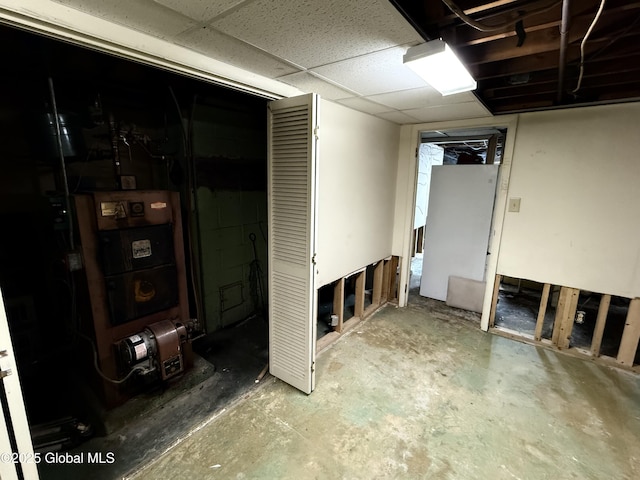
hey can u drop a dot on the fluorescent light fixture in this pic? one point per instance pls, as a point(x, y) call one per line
point(438, 65)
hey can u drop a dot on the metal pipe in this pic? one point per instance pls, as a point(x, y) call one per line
point(564, 41)
point(113, 131)
point(63, 165)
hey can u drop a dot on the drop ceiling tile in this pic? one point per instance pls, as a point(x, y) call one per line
point(363, 105)
point(140, 15)
point(199, 9)
point(456, 111)
point(310, 84)
point(400, 118)
point(419, 97)
point(208, 41)
point(372, 74)
point(316, 32)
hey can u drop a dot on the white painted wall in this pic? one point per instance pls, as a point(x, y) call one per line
point(577, 172)
point(358, 161)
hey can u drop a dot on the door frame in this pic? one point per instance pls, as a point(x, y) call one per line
point(410, 138)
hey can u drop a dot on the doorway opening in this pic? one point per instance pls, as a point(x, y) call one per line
point(128, 130)
point(441, 151)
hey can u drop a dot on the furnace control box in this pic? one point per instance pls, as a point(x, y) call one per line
point(132, 244)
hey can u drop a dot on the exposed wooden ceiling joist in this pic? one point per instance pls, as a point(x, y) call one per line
point(516, 78)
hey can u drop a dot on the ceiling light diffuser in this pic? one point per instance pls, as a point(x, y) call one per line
point(440, 67)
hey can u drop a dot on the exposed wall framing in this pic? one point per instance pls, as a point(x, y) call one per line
point(384, 290)
point(544, 300)
point(417, 241)
point(378, 276)
point(630, 335)
point(494, 300)
point(567, 314)
point(338, 303)
point(420, 240)
point(392, 265)
point(603, 309)
point(360, 292)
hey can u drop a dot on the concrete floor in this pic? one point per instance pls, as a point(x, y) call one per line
point(421, 392)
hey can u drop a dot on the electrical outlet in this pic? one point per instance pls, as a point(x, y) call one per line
point(514, 204)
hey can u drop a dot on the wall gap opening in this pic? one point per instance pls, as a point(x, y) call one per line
point(589, 324)
point(614, 328)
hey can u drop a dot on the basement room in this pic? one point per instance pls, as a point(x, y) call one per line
point(364, 239)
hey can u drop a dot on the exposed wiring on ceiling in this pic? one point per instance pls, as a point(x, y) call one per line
point(457, 11)
point(583, 43)
point(613, 40)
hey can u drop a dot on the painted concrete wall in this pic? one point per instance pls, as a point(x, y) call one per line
point(226, 221)
point(578, 175)
point(358, 158)
point(230, 151)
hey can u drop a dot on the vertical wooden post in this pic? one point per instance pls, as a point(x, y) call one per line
point(542, 312)
point(565, 315)
point(420, 240)
point(630, 335)
point(358, 308)
point(601, 321)
point(378, 273)
point(338, 303)
point(413, 243)
point(491, 149)
point(385, 280)
point(393, 271)
point(558, 319)
point(494, 300)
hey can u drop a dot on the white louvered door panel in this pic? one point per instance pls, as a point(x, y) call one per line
point(292, 190)
point(17, 457)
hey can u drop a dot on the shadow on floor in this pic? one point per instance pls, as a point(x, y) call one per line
point(226, 366)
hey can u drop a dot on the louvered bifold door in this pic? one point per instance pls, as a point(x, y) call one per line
point(292, 190)
point(17, 459)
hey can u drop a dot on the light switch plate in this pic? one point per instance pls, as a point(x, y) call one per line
point(514, 204)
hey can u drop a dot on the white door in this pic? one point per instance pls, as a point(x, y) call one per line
point(17, 459)
point(456, 238)
point(292, 239)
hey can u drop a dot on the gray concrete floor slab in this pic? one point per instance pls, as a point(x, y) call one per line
point(421, 392)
